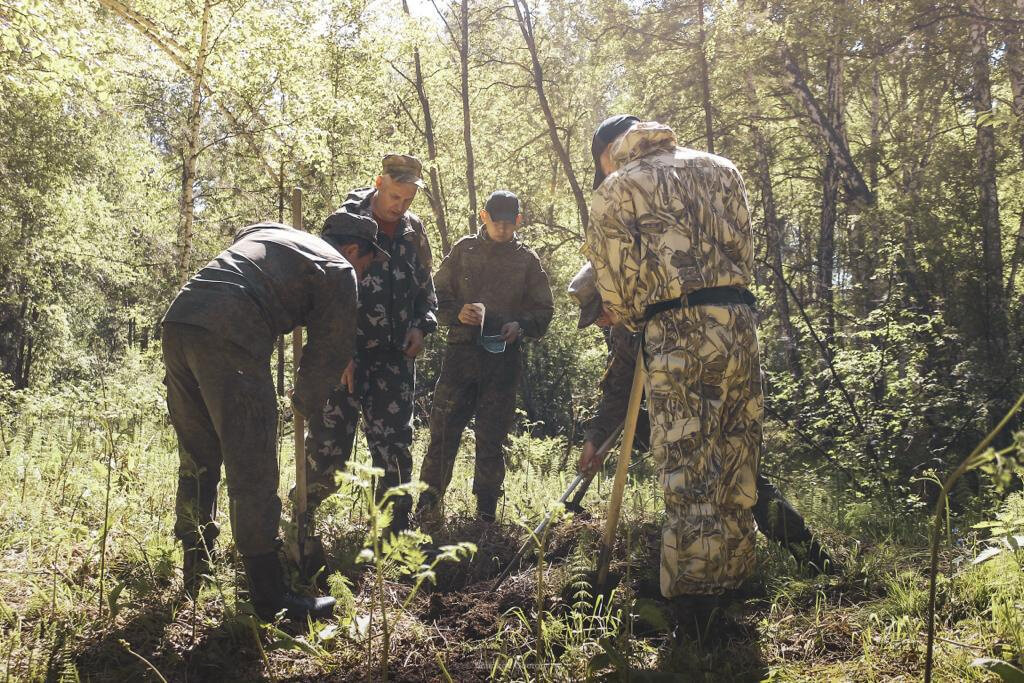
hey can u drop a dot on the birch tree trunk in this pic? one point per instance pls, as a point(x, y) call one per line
point(190, 153)
point(525, 22)
point(467, 127)
point(856, 189)
point(179, 56)
point(705, 79)
point(434, 195)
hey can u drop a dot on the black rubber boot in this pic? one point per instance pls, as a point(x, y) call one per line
point(817, 559)
point(314, 562)
point(400, 510)
point(269, 594)
point(779, 521)
point(487, 507)
point(197, 564)
point(695, 616)
point(428, 517)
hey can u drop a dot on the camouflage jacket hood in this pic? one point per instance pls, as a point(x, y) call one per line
point(506, 277)
point(397, 294)
point(668, 221)
point(641, 140)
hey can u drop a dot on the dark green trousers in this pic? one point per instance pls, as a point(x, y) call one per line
point(472, 382)
point(223, 408)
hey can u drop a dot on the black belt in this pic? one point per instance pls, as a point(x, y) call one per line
point(709, 296)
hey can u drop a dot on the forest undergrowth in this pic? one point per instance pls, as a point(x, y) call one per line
point(90, 585)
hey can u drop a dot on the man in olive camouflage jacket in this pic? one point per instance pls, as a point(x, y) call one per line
point(218, 335)
point(396, 309)
point(482, 361)
point(670, 241)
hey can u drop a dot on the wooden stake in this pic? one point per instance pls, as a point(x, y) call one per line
point(298, 420)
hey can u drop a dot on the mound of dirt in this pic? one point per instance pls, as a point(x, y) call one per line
point(474, 613)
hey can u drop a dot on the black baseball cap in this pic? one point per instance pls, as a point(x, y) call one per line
point(345, 224)
point(611, 128)
point(502, 205)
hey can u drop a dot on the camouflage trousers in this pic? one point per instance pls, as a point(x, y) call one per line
point(706, 407)
point(476, 382)
point(222, 405)
point(384, 387)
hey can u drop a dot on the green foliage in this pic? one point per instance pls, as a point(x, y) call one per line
point(872, 391)
point(1007, 673)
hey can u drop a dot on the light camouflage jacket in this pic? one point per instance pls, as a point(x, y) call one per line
point(667, 222)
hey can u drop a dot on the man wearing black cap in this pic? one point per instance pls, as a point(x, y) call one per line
point(397, 305)
point(218, 336)
point(671, 245)
point(491, 292)
point(776, 517)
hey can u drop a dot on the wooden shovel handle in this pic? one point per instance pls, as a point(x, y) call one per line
point(636, 392)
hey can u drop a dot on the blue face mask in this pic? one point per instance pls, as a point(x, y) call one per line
point(493, 343)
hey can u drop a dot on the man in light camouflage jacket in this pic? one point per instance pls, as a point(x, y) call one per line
point(776, 517)
point(670, 241)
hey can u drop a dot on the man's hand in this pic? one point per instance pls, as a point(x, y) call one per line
point(348, 377)
point(605, 319)
point(470, 314)
point(590, 462)
point(413, 342)
point(510, 331)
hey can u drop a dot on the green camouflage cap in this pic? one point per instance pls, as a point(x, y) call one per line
point(345, 224)
point(404, 168)
point(583, 288)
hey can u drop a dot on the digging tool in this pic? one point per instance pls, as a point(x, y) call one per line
point(581, 478)
point(536, 532)
point(625, 451)
point(573, 505)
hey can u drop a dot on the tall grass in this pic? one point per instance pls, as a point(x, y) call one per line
point(86, 525)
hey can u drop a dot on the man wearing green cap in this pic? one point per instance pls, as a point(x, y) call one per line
point(492, 292)
point(396, 309)
point(218, 336)
point(671, 245)
point(776, 517)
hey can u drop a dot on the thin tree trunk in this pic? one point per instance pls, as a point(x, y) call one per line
point(20, 375)
point(876, 128)
point(856, 189)
point(434, 195)
point(774, 228)
point(467, 128)
point(526, 27)
point(830, 200)
point(705, 79)
point(1015, 70)
point(191, 152)
point(991, 234)
point(775, 237)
